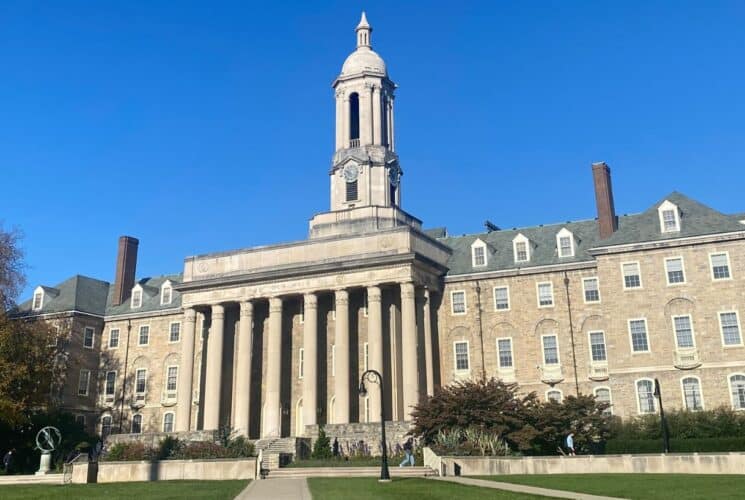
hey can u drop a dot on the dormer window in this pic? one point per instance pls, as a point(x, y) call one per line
point(521, 248)
point(166, 293)
point(669, 217)
point(478, 254)
point(38, 301)
point(136, 297)
point(565, 243)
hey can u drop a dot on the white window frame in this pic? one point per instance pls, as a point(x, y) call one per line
point(452, 303)
point(118, 338)
point(675, 332)
point(87, 382)
point(93, 337)
point(166, 286)
point(605, 346)
point(638, 399)
point(170, 325)
point(137, 372)
point(300, 363)
point(639, 270)
point(509, 299)
point(721, 327)
point(165, 385)
point(39, 292)
point(538, 294)
point(565, 233)
point(520, 238)
point(700, 389)
point(610, 396)
point(105, 384)
point(543, 350)
point(682, 269)
point(478, 244)
point(711, 266)
point(137, 289)
point(132, 425)
point(646, 331)
point(455, 356)
point(664, 207)
point(111, 424)
point(173, 421)
point(512, 354)
point(584, 290)
point(561, 395)
point(139, 335)
point(731, 395)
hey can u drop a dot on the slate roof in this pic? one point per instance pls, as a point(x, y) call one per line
point(696, 219)
point(150, 297)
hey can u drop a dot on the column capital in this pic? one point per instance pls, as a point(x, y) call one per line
point(342, 296)
point(407, 290)
point(190, 315)
point(247, 308)
point(218, 311)
point(310, 301)
point(373, 294)
point(275, 304)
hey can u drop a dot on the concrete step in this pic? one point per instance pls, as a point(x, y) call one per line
point(395, 471)
point(31, 479)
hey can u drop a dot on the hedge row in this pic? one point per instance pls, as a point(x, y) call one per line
point(700, 445)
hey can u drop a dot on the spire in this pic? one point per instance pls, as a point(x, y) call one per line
point(363, 32)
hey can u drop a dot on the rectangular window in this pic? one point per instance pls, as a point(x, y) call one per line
point(674, 269)
point(591, 289)
point(683, 331)
point(38, 297)
point(545, 294)
point(502, 298)
point(83, 381)
point(669, 220)
point(352, 191)
point(140, 381)
point(638, 332)
point(458, 302)
point(165, 296)
point(632, 277)
point(479, 256)
point(645, 392)
point(521, 251)
point(692, 394)
point(565, 246)
point(113, 338)
point(175, 332)
point(110, 383)
point(730, 326)
point(144, 337)
point(88, 335)
point(602, 395)
point(300, 362)
point(461, 356)
point(550, 350)
point(171, 379)
point(504, 346)
point(720, 266)
point(136, 298)
point(597, 346)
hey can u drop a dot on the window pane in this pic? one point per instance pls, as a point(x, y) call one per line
point(692, 393)
point(645, 391)
point(461, 356)
point(505, 353)
point(730, 328)
point(597, 345)
point(592, 293)
point(501, 298)
point(603, 396)
point(144, 335)
point(114, 338)
point(521, 251)
point(140, 382)
point(88, 337)
point(738, 391)
point(110, 383)
point(83, 382)
point(720, 266)
point(137, 424)
point(554, 396)
point(668, 216)
point(638, 329)
point(168, 422)
point(479, 258)
point(459, 302)
point(545, 294)
point(172, 375)
point(175, 332)
point(683, 332)
point(675, 271)
point(631, 275)
point(550, 351)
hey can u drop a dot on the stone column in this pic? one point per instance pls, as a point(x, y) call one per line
point(310, 359)
point(214, 369)
point(339, 120)
point(341, 379)
point(377, 129)
point(243, 367)
point(392, 145)
point(345, 120)
point(409, 349)
point(375, 347)
point(272, 422)
point(428, 345)
point(186, 372)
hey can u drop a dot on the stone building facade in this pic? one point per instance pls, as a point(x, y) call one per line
point(273, 339)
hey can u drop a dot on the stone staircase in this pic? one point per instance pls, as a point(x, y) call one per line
point(272, 448)
point(301, 472)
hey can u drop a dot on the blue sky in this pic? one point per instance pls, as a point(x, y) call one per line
point(208, 126)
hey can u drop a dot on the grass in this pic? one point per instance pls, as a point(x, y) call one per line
point(638, 486)
point(364, 488)
point(173, 490)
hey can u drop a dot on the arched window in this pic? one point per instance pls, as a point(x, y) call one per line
point(168, 422)
point(737, 387)
point(602, 394)
point(354, 119)
point(692, 393)
point(137, 424)
point(105, 426)
point(645, 394)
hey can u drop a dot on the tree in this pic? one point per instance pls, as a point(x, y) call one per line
point(12, 279)
point(322, 446)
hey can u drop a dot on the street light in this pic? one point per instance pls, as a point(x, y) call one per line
point(663, 422)
point(375, 377)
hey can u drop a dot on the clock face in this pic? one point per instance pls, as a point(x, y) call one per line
point(351, 172)
point(394, 174)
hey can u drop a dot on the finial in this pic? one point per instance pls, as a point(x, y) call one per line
point(363, 32)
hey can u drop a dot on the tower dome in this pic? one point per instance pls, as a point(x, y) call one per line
point(364, 58)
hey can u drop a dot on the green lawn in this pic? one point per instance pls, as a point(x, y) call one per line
point(638, 486)
point(174, 490)
point(364, 488)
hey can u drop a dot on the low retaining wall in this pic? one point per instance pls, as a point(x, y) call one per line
point(165, 470)
point(364, 437)
point(153, 439)
point(688, 463)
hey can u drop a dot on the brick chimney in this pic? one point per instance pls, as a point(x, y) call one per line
point(607, 220)
point(126, 265)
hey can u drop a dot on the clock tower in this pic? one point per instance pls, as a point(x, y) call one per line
point(365, 172)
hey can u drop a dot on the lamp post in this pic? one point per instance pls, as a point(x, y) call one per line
point(663, 422)
point(375, 377)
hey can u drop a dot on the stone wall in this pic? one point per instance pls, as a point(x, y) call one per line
point(153, 439)
point(168, 470)
point(364, 438)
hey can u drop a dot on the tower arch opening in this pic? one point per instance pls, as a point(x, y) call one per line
point(354, 119)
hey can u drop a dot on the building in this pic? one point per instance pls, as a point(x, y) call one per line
point(273, 339)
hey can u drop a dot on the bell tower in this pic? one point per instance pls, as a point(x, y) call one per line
point(365, 171)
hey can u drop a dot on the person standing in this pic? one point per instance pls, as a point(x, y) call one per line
point(570, 444)
point(8, 461)
point(409, 453)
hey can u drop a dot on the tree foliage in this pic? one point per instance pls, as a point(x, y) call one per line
point(12, 278)
point(322, 446)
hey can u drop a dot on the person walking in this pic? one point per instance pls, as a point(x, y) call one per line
point(570, 444)
point(8, 461)
point(409, 453)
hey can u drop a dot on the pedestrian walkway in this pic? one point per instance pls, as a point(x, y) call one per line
point(276, 489)
point(518, 488)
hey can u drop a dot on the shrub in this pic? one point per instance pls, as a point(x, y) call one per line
point(700, 445)
point(322, 446)
point(168, 447)
point(200, 449)
point(241, 447)
point(121, 452)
